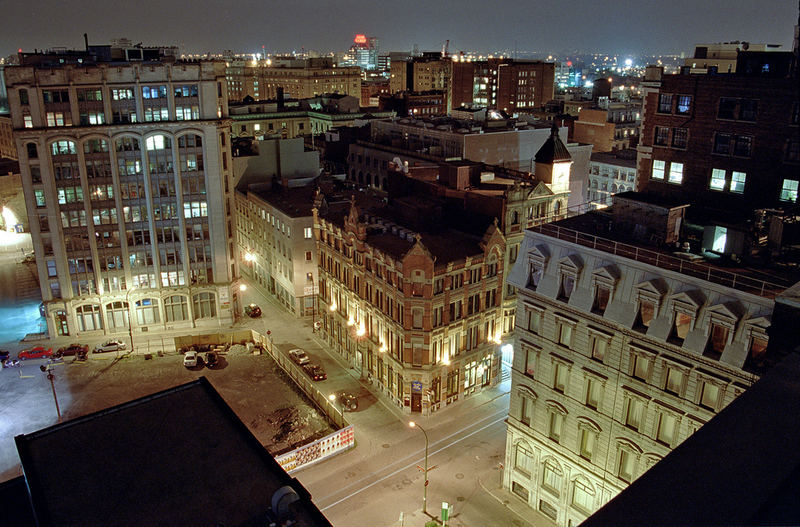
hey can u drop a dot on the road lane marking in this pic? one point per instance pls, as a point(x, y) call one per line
point(412, 464)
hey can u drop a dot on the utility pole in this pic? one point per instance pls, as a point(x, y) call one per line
point(51, 378)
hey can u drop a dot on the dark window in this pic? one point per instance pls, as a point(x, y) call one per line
point(680, 137)
point(665, 103)
point(23, 97)
point(661, 136)
point(793, 150)
point(32, 152)
point(722, 144)
point(601, 297)
point(727, 108)
point(743, 146)
point(796, 113)
point(748, 109)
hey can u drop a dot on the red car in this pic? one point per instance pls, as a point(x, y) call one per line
point(36, 353)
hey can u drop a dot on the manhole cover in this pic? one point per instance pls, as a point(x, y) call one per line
point(385, 445)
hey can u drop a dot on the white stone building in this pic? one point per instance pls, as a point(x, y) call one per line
point(622, 351)
point(126, 168)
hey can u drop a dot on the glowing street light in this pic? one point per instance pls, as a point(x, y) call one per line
point(250, 257)
point(242, 287)
point(412, 424)
point(333, 305)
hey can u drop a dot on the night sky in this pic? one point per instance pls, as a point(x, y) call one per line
point(622, 26)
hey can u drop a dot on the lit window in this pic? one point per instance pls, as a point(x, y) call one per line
point(599, 345)
point(641, 366)
point(737, 182)
point(675, 172)
point(647, 310)
point(633, 417)
point(626, 465)
point(709, 395)
point(593, 392)
point(684, 105)
point(556, 425)
point(564, 332)
point(307, 233)
point(659, 167)
point(717, 179)
point(674, 380)
point(666, 429)
point(560, 377)
point(534, 322)
point(582, 494)
point(681, 327)
point(587, 443)
point(789, 190)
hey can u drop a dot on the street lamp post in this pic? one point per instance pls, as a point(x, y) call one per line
point(130, 318)
point(412, 424)
point(51, 377)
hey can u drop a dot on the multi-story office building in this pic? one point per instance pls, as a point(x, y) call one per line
point(623, 349)
point(125, 163)
point(722, 56)
point(429, 72)
point(417, 104)
point(8, 150)
point(609, 174)
point(276, 244)
point(410, 301)
point(296, 78)
point(613, 126)
point(503, 84)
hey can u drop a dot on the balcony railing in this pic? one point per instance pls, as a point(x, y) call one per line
point(702, 271)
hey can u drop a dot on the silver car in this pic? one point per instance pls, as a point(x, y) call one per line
point(110, 345)
point(299, 356)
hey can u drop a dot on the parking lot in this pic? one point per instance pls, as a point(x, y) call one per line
point(270, 405)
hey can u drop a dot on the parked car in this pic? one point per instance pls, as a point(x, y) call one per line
point(348, 401)
point(299, 356)
point(252, 310)
point(4, 354)
point(315, 372)
point(211, 359)
point(72, 349)
point(36, 353)
point(110, 345)
point(190, 359)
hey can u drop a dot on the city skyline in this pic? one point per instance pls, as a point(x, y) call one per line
point(528, 27)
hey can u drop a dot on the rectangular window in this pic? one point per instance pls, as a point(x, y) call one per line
point(789, 190)
point(599, 345)
point(665, 103)
point(683, 323)
point(722, 144)
point(675, 172)
point(674, 381)
point(709, 395)
point(748, 108)
point(661, 137)
point(564, 335)
point(680, 137)
point(792, 150)
point(530, 362)
point(717, 341)
point(587, 444)
point(633, 417)
point(601, 296)
point(560, 377)
point(665, 433)
point(743, 146)
point(593, 391)
point(717, 179)
point(526, 409)
point(556, 424)
point(684, 105)
point(737, 182)
point(659, 168)
point(519, 490)
point(535, 271)
point(566, 287)
point(626, 463)
point(23, 97)
point(534, 324)
point(641, 366)
point(727, 108)
point(647, 311)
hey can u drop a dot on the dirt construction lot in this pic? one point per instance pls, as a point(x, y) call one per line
point(274, 410)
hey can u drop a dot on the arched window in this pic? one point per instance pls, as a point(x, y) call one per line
point(88, 317)
point(176, 308)
point(147, 311)
point(117, 315)
point(204, 305)
point(515, 217)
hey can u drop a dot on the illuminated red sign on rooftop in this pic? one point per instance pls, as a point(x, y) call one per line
point(360, 39)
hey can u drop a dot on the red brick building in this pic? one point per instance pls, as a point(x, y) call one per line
point(416, 311)
point(423, 104)
point(503, 84)
point(730, 142)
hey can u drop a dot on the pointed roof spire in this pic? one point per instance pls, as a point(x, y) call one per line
point(553, 149)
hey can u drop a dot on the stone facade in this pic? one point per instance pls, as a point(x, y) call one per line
point(126, 172)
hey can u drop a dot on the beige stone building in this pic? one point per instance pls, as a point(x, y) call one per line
point(126, 168)
point(296, 78)
point(623, 350)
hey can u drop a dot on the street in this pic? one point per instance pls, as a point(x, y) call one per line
point(371, 484)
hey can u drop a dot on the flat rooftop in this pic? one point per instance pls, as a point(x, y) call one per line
point(176, 457)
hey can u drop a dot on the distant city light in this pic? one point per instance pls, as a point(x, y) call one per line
point(588, 84)
point(628, 62)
